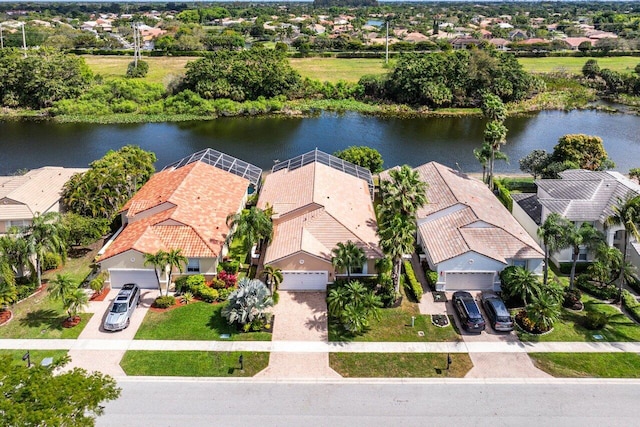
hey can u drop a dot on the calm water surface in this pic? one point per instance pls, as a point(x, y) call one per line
point(31, 144)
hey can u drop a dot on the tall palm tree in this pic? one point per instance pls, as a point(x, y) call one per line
point(626, 214)
point(272, 276)
point(158, 260)
point(405, 193)
point(522, 284)
point(397, 237)
point(553, 233)
point(175, 259)
point(584, 236)
point(483, 155)
point(495, 132)
point(346, 256)
point(254, 224)
point(45, 234)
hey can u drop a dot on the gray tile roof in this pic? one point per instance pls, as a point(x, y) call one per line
point(530, 204)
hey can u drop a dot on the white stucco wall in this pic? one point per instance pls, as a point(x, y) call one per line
point(526, 222)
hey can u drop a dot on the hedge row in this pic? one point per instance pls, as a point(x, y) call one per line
point(504, 195)
point(601, 292)
point(630, 304)
point(411, 283)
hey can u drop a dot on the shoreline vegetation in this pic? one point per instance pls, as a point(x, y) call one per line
point(564, 93)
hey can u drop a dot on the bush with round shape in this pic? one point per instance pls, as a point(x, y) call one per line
point(572, 298)
point(595, 321)
point(165, 301)
point(207, 294)
point(140, 70)
point(224, 293)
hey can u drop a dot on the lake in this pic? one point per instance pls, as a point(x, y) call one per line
point(264, 140)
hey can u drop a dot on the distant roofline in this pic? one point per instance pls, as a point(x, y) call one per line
point(222, 161)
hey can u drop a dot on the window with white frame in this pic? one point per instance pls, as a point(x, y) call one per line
point(582, 255)
point(193, 266)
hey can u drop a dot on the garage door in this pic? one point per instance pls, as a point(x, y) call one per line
point(304, 281)
point(472, 281)
point(144, 278)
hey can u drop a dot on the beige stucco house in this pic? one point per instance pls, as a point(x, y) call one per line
point(318, 201)
point(185, 207)
point(37, 191)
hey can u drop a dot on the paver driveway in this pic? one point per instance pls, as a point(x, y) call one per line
point(300, 316)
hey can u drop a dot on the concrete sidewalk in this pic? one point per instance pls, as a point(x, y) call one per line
point(322, 347)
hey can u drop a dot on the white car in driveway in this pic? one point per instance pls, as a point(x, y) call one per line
point(121, 310)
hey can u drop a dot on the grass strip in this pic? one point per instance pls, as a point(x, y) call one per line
point(585, 365)
point(400, 365)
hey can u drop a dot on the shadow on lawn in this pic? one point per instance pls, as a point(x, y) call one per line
point(51, 319)
point(219, 325)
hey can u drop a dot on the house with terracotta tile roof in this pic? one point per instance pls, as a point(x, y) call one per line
point(318, 201)
point(579, 196)
point(184, 206)
point(468, 237)
point(37, 191)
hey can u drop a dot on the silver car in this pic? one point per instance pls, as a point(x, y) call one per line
point(121, 310)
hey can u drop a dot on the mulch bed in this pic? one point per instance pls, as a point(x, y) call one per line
point(179, 303)
point(440, 320)
point(101, 295)
point(5, 316)
point(439, 296)
point(71, 322)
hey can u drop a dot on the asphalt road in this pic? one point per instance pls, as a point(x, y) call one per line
point(426, 403)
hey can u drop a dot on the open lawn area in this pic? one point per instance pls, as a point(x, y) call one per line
point(193, 363)
point(580, 365)
point(161, 69)
point(36, 355)
point(336, 69)
point(624, 64)
point(78, 264)
point(399, 365)
point(196, 321)
point(570, 326)
point(395, 325)
point(40, 317)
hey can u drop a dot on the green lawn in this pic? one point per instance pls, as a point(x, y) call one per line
point(569, 328)
point(40, 317)
point(77, 266)
point(399, 365)
point(196, 321)
point(161, 69)
point(395, 325)
point(574, 65)
point(193, 363)
point(598, 365)
point(36, 355)
point(336, 69)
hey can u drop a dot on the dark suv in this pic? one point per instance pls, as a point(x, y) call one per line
point(499, 317)
point(468, 312)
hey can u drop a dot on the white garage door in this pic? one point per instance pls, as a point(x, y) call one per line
point(472, 281)
point(144, 278)
point(304, 281)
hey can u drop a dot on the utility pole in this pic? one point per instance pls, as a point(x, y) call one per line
point(136, 43)
point(386, 56)
point(1, 38)
point(24, 41)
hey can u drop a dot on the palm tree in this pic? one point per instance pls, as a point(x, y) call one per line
point(522, 284)
point(175, 259)
point(45, 234)
point(272, 276)
point(543, 311)
point(8, 293)
point(483, 155)
point(61, 287)
point(626, 214)
point(75, 301)
point(495, 132)
point(346, 256)
point(584, 236)
point(405, 193)
point(553, 233)
point(158, 260)
point(254, 224)
point(397, 237)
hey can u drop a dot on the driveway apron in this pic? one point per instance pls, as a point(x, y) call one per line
point(300, 316)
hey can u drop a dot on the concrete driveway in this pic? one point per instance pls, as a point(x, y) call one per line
point(300, 316)
point(108, 362)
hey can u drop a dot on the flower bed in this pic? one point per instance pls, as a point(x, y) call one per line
point(527, 326)
point(5, 316)
point(440, 320)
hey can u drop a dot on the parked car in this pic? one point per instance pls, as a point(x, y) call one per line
point(499, 317)
point(121, 310)
point(468, 312)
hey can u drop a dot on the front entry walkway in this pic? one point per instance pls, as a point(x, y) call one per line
point(300, 316)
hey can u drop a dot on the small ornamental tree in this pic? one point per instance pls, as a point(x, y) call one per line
point(137, 70)
point(248, 303)
point(535, 162)
point(591, 69)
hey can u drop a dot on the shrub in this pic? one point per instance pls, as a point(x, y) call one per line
point(601, 292)
point(187, 297)
point(218, 284)
point(571, 298)
point(275, 296)
point(595, 321)
point(412, 284)
point(229, 279)
point(231, 266)
point(206, 293)
point(432, 278)
point(140, 70)
point(248, 302)
point(51, 261)
point(165, 301)
point(189, 283)
point(97, 284)
point(224, 293)
point(504, 195)
point(581, 267)
point(630, 304)
point(25, 289)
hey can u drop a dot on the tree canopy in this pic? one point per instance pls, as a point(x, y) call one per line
point(367, 157)
point(585, 151)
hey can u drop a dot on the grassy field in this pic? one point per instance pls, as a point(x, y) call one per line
point(581, 365)
point(570, 327)
point(193, 363)
point(36, 355)
point(40, 317)
point(399, 365)
point(78, 264)
point(161, 69)
point(196, 321)
point(574, 65)
point(336, 69)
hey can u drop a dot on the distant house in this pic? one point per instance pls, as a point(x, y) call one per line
point(318, 201)
point(37, 191)
point(415, 37)
point(580, 196)
point(184, 206)
point(575, 42)
point(468, 237)
point(518, 35)
point(500, 44)
point(464, 42)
